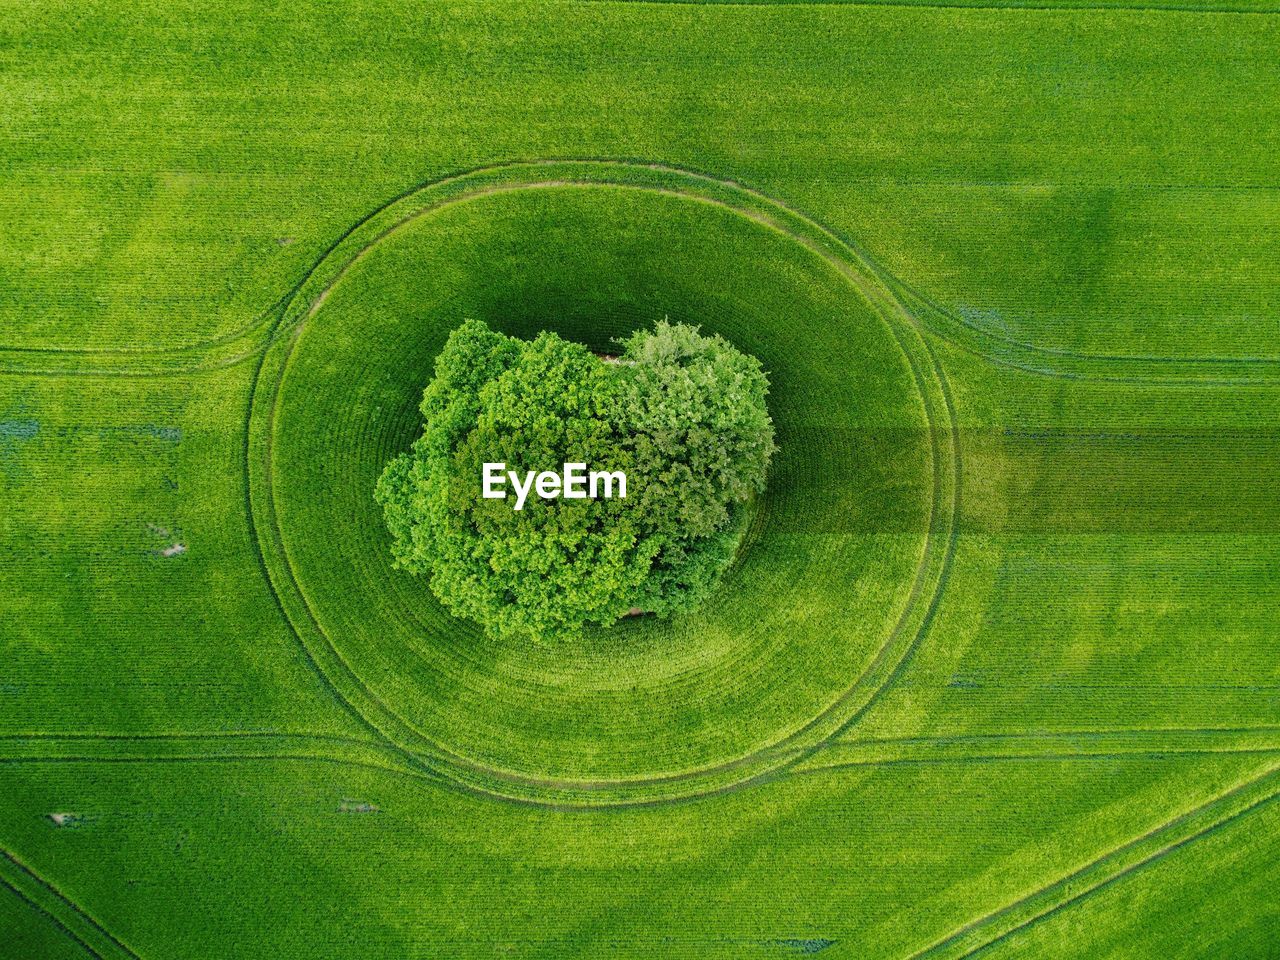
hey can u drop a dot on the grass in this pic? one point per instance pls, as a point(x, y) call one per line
point(997, 675)
point(655, 699)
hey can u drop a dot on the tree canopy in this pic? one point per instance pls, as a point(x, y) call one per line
point(682, 414)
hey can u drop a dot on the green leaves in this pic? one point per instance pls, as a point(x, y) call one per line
point(683, 415)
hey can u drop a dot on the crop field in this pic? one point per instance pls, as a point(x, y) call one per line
point(997, 671)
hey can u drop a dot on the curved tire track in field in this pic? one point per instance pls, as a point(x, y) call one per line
point(957, 475)
point(695, 187)
point(260, 323)
point(1136, 743)
point(1120, 744)
point(1131, 370)
point(98, 942)
point(63, 912)
point(258, 333)
point(133, 373)
point(1157, 843)
point(206, 748)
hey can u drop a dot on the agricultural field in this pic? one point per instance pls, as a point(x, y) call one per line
point(997, 671)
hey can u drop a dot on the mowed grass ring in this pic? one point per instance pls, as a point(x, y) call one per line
point(847, 550)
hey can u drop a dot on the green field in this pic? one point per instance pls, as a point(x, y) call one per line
point(998, 671)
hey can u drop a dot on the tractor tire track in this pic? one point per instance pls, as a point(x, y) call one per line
point(493, 781)
point(61, 910)
point(987, 930)
point(986, 344)
point(1138, 743)
point(224, 747)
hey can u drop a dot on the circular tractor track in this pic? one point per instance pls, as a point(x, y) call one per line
point(770, 757)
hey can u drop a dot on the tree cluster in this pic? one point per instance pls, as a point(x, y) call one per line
point(681, 414)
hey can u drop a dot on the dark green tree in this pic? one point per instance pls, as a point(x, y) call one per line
point(681, 414)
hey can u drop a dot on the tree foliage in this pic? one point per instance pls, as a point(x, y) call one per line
point(682, 414)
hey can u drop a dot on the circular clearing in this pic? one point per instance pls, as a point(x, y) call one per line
point(845, 557)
